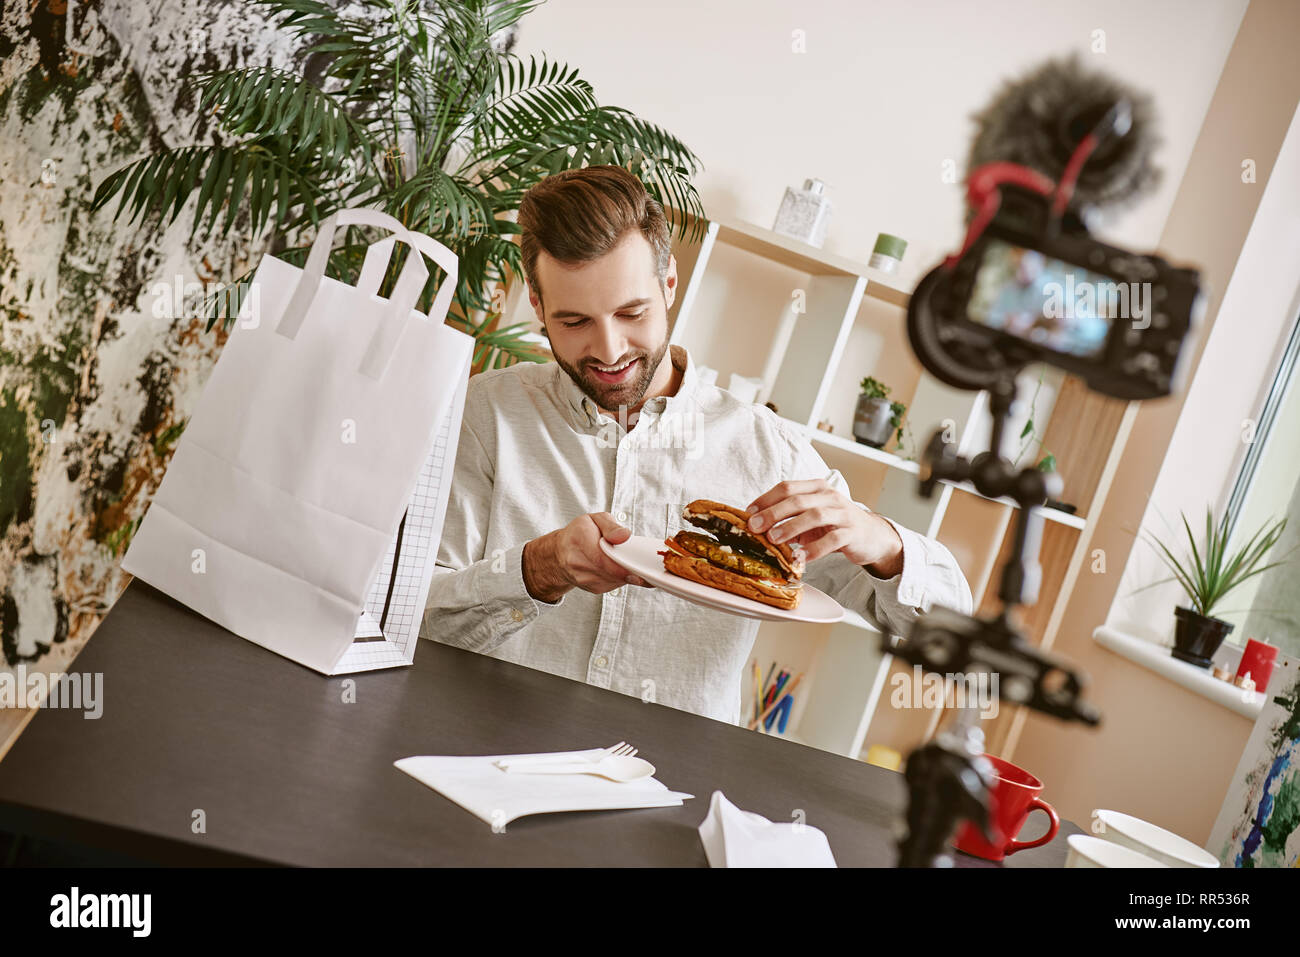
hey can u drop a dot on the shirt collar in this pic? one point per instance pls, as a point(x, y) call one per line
point(585, 410)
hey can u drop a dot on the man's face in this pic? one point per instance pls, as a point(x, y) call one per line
point(1031, 265)
point(607, 322)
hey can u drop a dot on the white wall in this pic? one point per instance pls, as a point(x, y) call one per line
point(881, 98)
point(1230, 386)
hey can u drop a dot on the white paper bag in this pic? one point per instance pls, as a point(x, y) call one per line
point(304, 503)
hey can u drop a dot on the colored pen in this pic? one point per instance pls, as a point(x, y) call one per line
point(777, 685)
point(793, 684)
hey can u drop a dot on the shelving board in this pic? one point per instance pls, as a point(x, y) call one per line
point(799, 255)
point(1051, 514)
point(866, 451)
point(907, 465)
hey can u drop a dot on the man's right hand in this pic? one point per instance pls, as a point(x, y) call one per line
point(570, 557)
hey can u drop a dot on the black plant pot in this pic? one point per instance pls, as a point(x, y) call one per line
point(1197, 638)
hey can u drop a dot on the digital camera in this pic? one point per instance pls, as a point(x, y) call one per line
point(1034, 287)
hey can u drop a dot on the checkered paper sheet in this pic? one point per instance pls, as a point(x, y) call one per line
point(390, 624)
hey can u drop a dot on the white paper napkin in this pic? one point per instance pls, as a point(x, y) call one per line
point(736, 838)
point(498, 797)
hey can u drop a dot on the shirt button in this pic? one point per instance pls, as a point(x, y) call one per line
point(621, 516)
point(516, 614)
point(602, 661)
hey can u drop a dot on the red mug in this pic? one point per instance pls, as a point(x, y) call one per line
point(1014, 794)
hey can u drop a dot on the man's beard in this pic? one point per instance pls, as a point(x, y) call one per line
point(625, 394)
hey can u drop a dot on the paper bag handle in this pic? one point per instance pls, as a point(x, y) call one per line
point(372, 272)
point(383, 343)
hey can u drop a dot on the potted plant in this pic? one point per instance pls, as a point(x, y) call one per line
point(877, 417)
point(407, 108)
point(1212, 573)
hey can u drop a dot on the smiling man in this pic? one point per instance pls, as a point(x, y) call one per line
point(611, 440)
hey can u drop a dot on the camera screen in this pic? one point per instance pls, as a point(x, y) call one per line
point(1048, 302)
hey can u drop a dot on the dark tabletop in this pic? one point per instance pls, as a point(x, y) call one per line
point(286, 772)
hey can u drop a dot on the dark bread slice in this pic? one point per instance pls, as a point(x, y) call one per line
point(701, 571)
point(707, 514)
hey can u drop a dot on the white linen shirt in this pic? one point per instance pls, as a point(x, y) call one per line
point(535, 453)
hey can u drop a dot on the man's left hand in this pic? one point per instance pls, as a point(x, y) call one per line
point(823, 520)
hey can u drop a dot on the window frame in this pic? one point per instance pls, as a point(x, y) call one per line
point(1284, 379)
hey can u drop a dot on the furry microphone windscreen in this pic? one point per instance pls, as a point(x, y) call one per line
point(1038, 119)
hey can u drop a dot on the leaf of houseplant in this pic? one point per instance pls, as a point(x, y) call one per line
point(1198, 573)
point(1180, 573)
point(1242, 566)
point(403, 84)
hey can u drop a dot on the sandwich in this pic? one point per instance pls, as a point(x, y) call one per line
point(730, 557)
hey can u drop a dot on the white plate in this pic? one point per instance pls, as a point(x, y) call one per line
point(1087, 851)
point(1155, 842)
point(639, 555)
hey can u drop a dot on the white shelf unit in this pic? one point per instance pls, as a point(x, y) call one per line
point(810, 361)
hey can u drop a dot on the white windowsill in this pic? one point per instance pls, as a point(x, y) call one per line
point(1157, 658)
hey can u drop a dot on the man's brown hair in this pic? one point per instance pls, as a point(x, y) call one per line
point(578, 215)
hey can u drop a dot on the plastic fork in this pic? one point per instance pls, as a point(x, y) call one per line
point(621, 767)
point(621, 748)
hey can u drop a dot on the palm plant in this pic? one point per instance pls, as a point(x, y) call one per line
point(417, 113)
point(1213, 571)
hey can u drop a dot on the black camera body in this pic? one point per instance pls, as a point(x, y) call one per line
point(1120, 321)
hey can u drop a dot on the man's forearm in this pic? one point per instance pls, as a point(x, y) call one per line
point(542, 575)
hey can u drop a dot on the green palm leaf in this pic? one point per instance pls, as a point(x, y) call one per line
point(273, 103)
point(161, 183)
point(529, 100)
point(606, 135)
point(405, 87)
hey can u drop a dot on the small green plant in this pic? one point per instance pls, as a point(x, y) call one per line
point(1214, 571)
point(1030, 433)
point(875, 389)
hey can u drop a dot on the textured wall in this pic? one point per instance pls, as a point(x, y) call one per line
point(98, 361)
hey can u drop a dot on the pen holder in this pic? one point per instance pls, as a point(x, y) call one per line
point(777, 693)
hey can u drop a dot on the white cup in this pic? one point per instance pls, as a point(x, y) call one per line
point(1088, 851)
point(1155, 842)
